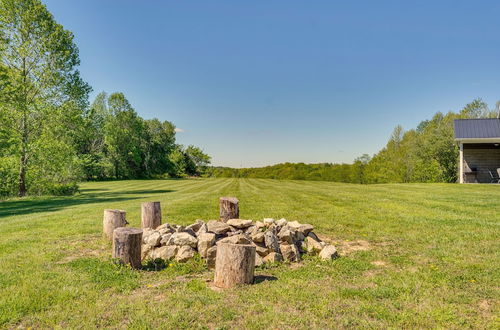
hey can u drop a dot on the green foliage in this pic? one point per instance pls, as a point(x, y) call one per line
point(425, 154)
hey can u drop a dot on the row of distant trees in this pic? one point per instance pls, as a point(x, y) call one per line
point(427, 153)
point(50, 136)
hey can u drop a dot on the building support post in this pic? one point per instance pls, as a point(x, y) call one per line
point(461, 171)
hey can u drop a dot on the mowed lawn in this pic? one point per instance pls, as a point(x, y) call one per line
point(414, 255)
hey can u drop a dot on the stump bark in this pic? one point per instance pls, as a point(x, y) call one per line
point(229, 208)
point(127, 246)
point(150, 215)
point(113, 219)
point(234, 265)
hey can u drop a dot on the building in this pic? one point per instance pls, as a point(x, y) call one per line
point(479, 141)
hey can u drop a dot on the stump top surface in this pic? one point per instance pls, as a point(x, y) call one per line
point(128, 230)
point(236, 246)
point(114, 210)
point(231, 199)
point(146, 203)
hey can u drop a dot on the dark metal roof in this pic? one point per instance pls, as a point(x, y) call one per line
point(477, 128)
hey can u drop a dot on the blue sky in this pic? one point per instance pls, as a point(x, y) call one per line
point(261, 82)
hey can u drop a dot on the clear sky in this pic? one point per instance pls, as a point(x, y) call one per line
point(261, 82)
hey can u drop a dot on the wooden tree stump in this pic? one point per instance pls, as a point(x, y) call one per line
point(150, 215)
point(229, 208)
point(234, 264)
point(127, 244)
point(113, 219)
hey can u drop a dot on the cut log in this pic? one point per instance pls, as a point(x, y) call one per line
point(150, 215)
point(234, 265)
point(111, 220)
point(229, 208)
point(127, 246)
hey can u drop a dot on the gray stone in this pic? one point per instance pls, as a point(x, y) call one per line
point(259, 224)
point(196, 226)
point(258, 237)
point(268, 221)
point(235, 239)
point(183, 239)
point(146, 232)
point(281, 222)
point(298, 236)
point(205, 242)
point(295, 225)
point(273, 257)
point(286, 235)
point(251, 230)
point(305, 228)
point(271, 241)
point(165, 229)
point(258, 260)
point(290, 252)
point(313, 245)
point(329, 252)
point(203, 229)
point(239, 223)
point(217, 227)
point(235, 232)
point(145, 251)
point(165, 238)
point(185, 253)
point(165, 252)
point(261, 250)
point(154, 239)
point(211, 255)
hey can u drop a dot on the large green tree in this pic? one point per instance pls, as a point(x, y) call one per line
point(40, 85)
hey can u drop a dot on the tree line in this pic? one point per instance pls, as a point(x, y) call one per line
point(51, 136)
point(427, 153)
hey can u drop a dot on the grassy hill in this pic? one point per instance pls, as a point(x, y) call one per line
point(414, 255)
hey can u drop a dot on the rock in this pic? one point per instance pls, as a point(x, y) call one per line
point(290, 252)
point(271, 241)
point(258, 237)
point(261, 250)
point(211, 255)
point(258, 260)
point(165, 238)
point(268, 221)
point(286, 235)
point(154, 239)
point(180, 229)
point(281, 222)
point(196, 226)
point(205, 242)
point(184, 253)
point(329, 252)
point(298, 236)
point(251, 230)
point(236, 232)
point(184, 239)
point(165, 229)
point(235, 239)
point(203, 229)
point(165, 252)
point(303, 228)
point(145, 251)
point(259, 224)
point(313, 245)
point(273, 257)
point(302, 246)
point(217, 227)
point(146, 232)
point(239, 223)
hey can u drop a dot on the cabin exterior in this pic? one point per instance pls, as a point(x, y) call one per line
point(479, 142)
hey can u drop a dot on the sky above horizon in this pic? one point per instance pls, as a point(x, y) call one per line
point(262, 82)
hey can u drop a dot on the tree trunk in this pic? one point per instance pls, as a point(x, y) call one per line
point(22, 177)
point(127, 244)
point(229, 208)
point(150, 215)
point(234, 264)
point(113, 219)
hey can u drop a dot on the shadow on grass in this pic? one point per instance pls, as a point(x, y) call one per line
point(263, 278)
point(87, 196)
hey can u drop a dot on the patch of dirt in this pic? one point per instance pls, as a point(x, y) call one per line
point(485, 307)
point(348, 247)
point(379, 263)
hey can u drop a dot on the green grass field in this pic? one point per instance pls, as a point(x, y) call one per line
point(414, 255)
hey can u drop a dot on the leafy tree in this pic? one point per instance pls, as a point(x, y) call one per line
point(38, 61)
